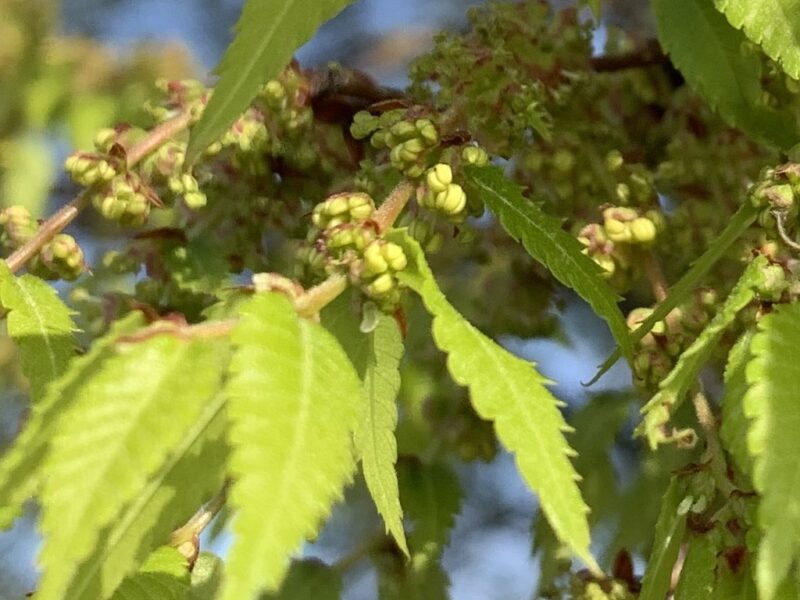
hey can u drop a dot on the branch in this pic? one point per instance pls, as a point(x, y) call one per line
point(66, 214)
point(649, 55)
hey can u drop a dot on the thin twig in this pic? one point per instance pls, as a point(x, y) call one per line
point(780, 217)
point(319, 296)
point(713, 453)
point(185, 538)
point(649, 55)
point(66, 214)
point(655, 276)
point(394, 204)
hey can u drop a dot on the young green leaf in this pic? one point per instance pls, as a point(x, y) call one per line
point(509, 392)
point(293, 404)
point(735, 425)
point(164, 576)
point(738, 224)
point(548, 243)
point(267, 34)
point(21, 465)
point(376, 356)
point(669, 532)
point(771, 404)
point(40, 324)
point(126, 419)
point(194, 471)
point(673, 389)
point(698, 575)
point(772, 24)
point(708, 52)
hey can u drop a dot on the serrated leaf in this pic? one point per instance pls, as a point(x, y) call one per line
point(772, 24)
point(293, 401)
point(672, 390)
point(669, 532)
point(738, 224)
point(376, 356)
point(509, 392)
point(735, 425)
point(125, 420)
point(267, 34)
point(41, 326)
point(21, 465)
point(698, 574)
point(164, 576)
point(545, 240)
point(708, 53)
point(771, 404)
point(194, 471)
point(307, 579)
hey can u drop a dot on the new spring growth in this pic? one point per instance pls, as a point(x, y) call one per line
point(442, 194)
point(347, 207)
point(18, 226)
point(87, 168)
point(624, 225)
point(475, 155)
point(382, 260)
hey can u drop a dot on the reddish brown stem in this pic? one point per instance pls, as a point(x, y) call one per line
point(58, 221)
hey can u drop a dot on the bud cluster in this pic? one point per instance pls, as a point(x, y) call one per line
point(614, 244)
point(185, 95)
point(440, 193)
point(775, 194)
point(408, 139)
point(660, 348)
point(60, 258)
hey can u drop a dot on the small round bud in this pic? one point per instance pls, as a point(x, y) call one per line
point(617, 231)
point(403, 130)
point(439, 177)
point(427, 131)
point(643, 231)
point(474, 155)
point(614, 160)
point(375, 262)
point(395, 256)
point(380, 286)
point(452, 201)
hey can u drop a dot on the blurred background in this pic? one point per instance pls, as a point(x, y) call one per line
point(490, 555)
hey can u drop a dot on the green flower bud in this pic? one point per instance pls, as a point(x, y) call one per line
point(395, 256)
point(18, 227)
point(414, 171)
point(63, 257)
point(617, 231)
point(780, 196)
point(439, 177)
point(380, 286)
point(452, 201)
point(614, 160)
point(474, 155)
point(360, 206)
point(643, 231)
point(427, 131)
point(274, 92)
point(375, 262)
point(403, 130)
point(105, 138)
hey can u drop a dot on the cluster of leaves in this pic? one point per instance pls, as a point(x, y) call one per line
point(190, 384)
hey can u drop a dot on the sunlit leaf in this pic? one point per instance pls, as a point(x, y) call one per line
point(293, 404)
point(508, 391)
point(267, 34)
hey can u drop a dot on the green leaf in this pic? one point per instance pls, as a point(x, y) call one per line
point(735, 425)
point(708, 52)
point(267, 34)
point(193, 472)
point(698, 575)
point(771, 404)
point(548, 243)
point(738, 224)
point(376, 356)
point(673, 389)
point(126, 419)
point(40, 324)
point(207, 577)
point(293, 404)
point(307, 579)
point(164, 576)
point(509, 392)
point(772, 24)
point(669, 532)
point(21, 465)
